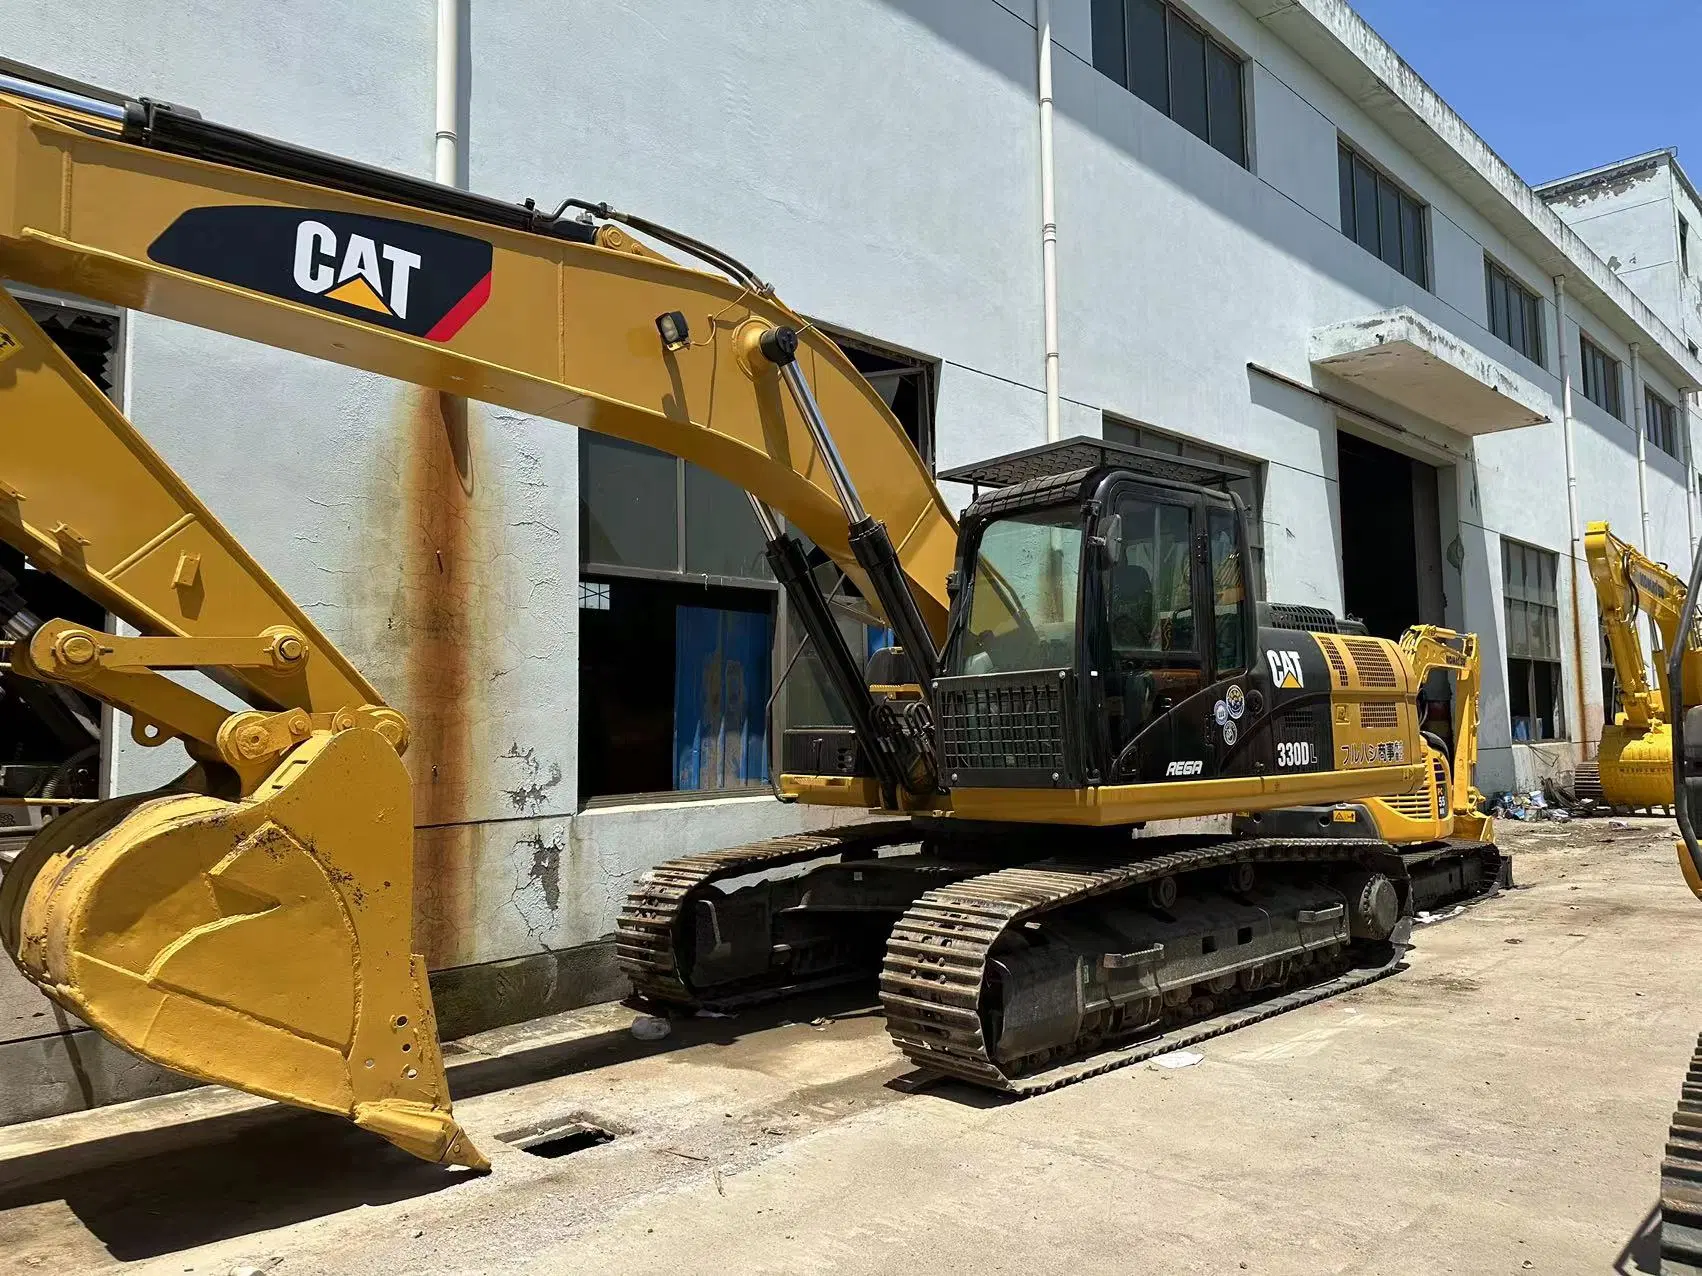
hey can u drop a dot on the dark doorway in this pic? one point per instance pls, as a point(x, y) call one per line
point(1391, 538)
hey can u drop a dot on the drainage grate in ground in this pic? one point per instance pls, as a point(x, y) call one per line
point(558, 1138)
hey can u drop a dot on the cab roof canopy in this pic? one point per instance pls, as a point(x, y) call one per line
point(1069, 456)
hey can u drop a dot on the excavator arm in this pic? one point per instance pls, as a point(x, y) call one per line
point(1429, 648)
point(250, 925)
point(1627, 582)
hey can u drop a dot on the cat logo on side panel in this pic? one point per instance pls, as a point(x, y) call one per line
point(1285, 670)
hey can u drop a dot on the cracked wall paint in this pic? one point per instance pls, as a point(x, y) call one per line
point(539, 778)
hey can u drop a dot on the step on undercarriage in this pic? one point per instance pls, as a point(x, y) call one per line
point(1021, 973)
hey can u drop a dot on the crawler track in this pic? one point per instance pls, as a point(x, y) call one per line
point(1681, 1179)
point(937, 959)
point(646, 935)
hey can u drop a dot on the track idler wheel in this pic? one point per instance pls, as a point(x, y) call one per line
point(263, 944)
point(1373, 906)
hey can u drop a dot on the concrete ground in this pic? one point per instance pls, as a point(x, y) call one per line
point(1498, 1107)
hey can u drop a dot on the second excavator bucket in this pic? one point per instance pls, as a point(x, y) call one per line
point(263, 944)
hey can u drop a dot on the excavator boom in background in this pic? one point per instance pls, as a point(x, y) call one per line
point(1633, 767)
point(1083, 654)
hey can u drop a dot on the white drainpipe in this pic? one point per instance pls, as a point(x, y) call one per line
point(1048, 215)
point(1642, 444)
point(1575, 547)
point(446, 159)
point(1685, 410)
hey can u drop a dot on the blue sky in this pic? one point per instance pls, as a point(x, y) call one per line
point(1558, 86)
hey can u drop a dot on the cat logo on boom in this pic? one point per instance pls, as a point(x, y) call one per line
point(1285, 670)
point(414, 279)
point(359, 280)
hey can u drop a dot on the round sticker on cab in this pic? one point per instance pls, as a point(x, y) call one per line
point(1220, 713)
point(1236, 699)
point(1230, 733)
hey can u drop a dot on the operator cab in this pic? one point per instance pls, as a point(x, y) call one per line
point(1099, 590)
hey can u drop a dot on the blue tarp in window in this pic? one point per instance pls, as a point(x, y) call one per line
point(721, 685)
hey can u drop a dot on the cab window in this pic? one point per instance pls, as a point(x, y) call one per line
point(1149, 600)
point(1228, 591)
point(1151, 588)
point(1022, 603)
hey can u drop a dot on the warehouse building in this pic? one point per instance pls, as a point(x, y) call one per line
point(1275, 247)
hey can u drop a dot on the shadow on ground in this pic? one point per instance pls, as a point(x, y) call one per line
point(254, 1171)
point(304, 1166)
point(1642, 1253)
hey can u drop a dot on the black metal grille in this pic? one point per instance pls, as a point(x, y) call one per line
point(1006, 729)
point(1315, 620)
point(1300, 724)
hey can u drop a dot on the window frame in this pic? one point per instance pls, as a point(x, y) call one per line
point(1349, 161)
point(1660, 421)
point(1533, 318)
point(1110, 23)
point(1608, 374)
point(1542, 601)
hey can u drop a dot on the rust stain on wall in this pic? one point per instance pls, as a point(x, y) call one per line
point(443, 631)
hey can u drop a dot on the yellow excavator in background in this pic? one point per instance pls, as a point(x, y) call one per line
point(1082, 654)
point(1633, 768)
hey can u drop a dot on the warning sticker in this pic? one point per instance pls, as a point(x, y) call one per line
point(9, 345)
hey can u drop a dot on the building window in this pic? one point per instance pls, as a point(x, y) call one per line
point(1684, 245)
point(1601, 377)
point(907, 384)
point(1381, 217)
point(680, 618)
point(1515, 312)
point(1534, 698)
point(1250, 489)
point(1660, 422)
point(1165, 59)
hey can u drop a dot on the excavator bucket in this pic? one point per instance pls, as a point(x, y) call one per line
point(261, 944)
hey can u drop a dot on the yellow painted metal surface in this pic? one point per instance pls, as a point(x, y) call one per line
point(1636, 764)
point(85, 497)
point(1181, 799)
point(1635, 755)
point(262, 943)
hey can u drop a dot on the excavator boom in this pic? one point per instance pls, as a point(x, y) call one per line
point(357, 266)
point(1634, 759)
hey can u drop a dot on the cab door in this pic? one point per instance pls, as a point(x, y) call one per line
point(1155, 640)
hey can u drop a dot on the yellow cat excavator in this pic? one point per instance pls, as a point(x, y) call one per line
point(1082, 654)
point(1633, 767)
